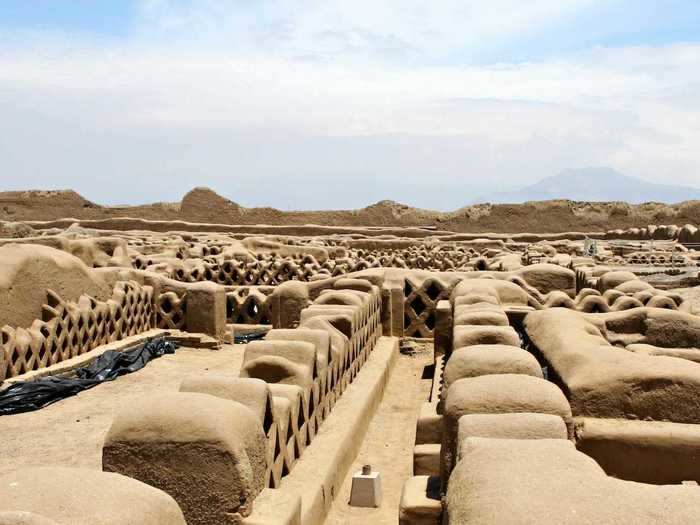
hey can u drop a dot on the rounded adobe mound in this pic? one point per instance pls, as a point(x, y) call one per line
point(86, 497)
point(206, 452)
point(249, 392)
point(607, 381)
point(507, 293)
point(523, 425)
point(28, 270)
point(481, 360)
point(633, 286)
point(496, 394)
point(548, 277)
point(611, 280)
point(319, 338)
point(280, 361)
point(468, 335)
point(504, 393)
point(348, 283)
point(466, 315)
point(547, 481)
point(338, 341)
point(339, 297)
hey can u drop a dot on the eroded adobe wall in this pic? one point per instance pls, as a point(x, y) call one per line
point(27, 271)
point(218, 454)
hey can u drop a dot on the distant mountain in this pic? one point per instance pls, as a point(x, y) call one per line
point(595, 185)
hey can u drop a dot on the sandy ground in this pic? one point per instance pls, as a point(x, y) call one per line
point(71, 432)
point(388, 444)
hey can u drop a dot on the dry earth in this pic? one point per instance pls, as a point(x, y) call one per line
point(70, 433)
point(388, 444)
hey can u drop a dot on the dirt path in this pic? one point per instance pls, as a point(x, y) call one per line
point(388, 444)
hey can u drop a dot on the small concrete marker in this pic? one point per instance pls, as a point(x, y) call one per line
point(366, 488)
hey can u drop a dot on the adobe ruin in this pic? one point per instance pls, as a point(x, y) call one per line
point(491, 378)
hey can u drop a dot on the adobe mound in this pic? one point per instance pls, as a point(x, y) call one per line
point(27, 271)
point(204, 205)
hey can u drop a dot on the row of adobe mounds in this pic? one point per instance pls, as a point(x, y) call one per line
point(687, 234)
point(553, 415)
point(217, 450)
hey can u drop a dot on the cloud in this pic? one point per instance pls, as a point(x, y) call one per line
point(338, 105)
point(392, 29)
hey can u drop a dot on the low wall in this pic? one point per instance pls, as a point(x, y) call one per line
point(289, 384)
point(69, 329)
point(606, 381)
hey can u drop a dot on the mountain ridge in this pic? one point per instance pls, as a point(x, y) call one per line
point(595, 184)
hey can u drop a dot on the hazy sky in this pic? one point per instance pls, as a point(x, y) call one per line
point(341, 103)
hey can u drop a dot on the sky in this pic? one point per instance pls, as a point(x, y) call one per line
point(310, 104)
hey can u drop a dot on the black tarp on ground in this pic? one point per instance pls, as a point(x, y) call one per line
point(250, 336)
point(26, 396)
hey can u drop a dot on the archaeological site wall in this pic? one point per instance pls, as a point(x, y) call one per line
point(564, 372)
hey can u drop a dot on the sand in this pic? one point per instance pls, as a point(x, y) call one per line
point(70, 433)
point(388, 443)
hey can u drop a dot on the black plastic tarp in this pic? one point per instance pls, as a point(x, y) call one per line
point(250, 336)
point(26, 396)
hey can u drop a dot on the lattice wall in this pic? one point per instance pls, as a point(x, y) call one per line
point(352, 348)
point(69, 329)
point(271, 270)
point(170, 311)
point(249, 305)
point(260, 272)
point(420, 301)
